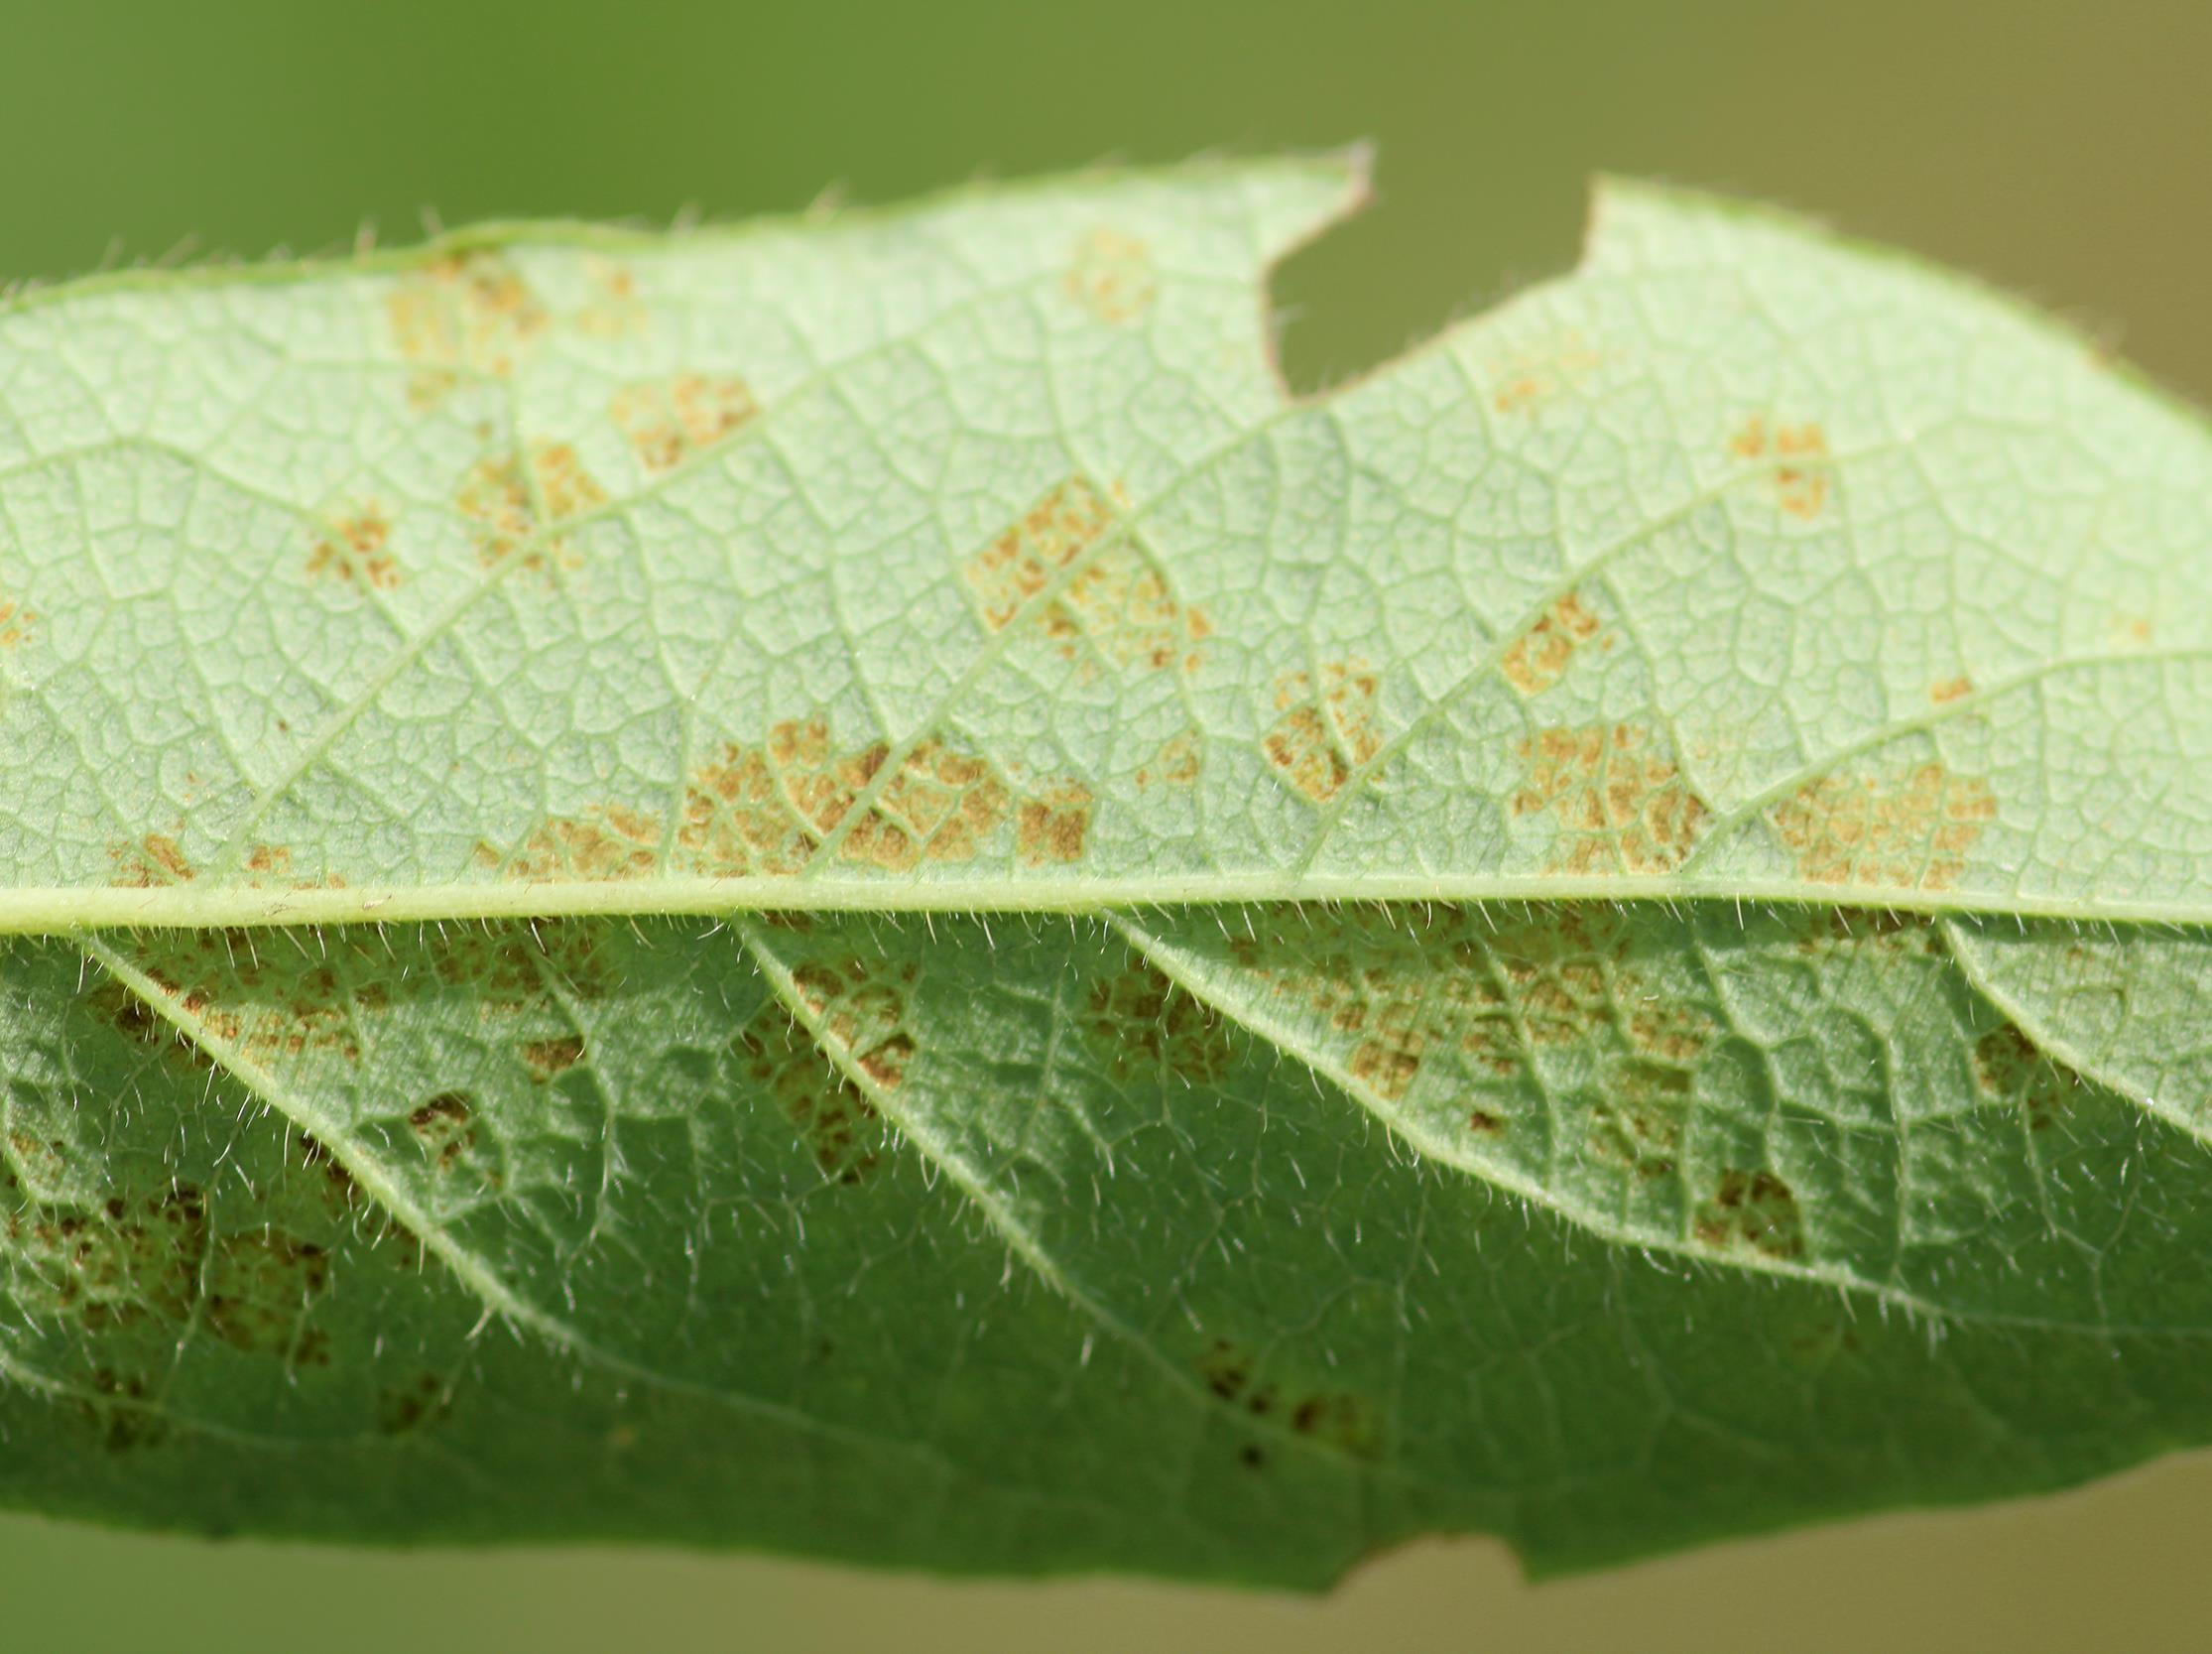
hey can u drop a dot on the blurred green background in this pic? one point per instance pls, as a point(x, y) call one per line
point(2059, 150)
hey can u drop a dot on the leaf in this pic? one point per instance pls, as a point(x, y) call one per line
point(846, 887)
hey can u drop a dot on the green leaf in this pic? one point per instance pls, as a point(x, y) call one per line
point(847, 887)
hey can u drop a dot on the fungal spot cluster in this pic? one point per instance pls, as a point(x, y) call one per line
point(1752, 1211)
point(148, 862)
point(1539, 657)
point(769, 809)
point(860, 1006)
point(835, 1120)
point(1009, 573)
point(1175, 764)
point(130, 1260)
point(1621, 805)
point(2008, 1068)
point(1141, 1025)
point(445, 1129)
point(1800, 456)
point(470, 314)
point(1327, 728)
point(355, 549)
point(669, 421)
point(1340, 1419)
point(15, 623)
point(1112, 277)
point(1530, 381)
point(509, 508)
point(1911, 829)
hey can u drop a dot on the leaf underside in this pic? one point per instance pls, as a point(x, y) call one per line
point(844, 887)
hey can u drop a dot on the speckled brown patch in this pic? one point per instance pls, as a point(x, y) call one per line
point(548, 1059)
point(1140, 1025)
point(1950, 689)
point(1911, 829)
point(1119, 612)
point(1112, 277)
point(1176, 764)
point(614, 308)
point(148, 862)
point(1010, 572)
point(1621, 805)
point(1539, 657)
point(1051, 829)
point(1326, 729)
point(16, 622)
point(446, 1126)
point(1752, 1211)
point(860, 1006)
point(1799, 455)
point(611, 843)
point(669, 421)
point(2010, 1068)
point(469, 313)
point(497, 498)
point(355, 548)
point(833, 1119)
point(1330, 1415)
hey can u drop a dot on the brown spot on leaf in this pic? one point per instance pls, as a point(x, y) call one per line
point(469, 313)
point(512, 511)
point(1051, 828)
point(860, 1006)
point(668, 421)
point(1621, 807)
point(268, 858)
point(446, 1126)
point(2009, 1066)
point(1176, 763)
point(1800, 456)
point(1112, 277)
point(1340, 1419)
point(612, 843)
point(1020, 562)
point(151, 861)
point(1911, 829)
point(1755, 1210)
point(1326, 731)
point(402, 1409)
point(1950, 689)
point(355, 548)
point(260, 1287)
point(1140, 1024)
point(547, 1058)
point(1538, 659)
point(15, 623)
point(614, 310)
point(835, 1120)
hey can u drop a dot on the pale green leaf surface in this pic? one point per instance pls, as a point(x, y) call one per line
point(737, 851)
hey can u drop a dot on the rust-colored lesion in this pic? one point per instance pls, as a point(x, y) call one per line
point(355, 548)
point(1051, 828)
point(548, 1059)
point(148, 862)
point(768, 809)
point(1752, 1210)
point(859, 1005)
point(446, 1126)
point(1799, 455)
point(614, 308)
point(1539, 657)
point(1529, 381)
point(1177, 763)
point(669, 421)
point(1950, 689)
point(1140, 1024)
point(471, 313)
point(16, 621)
point(2010, 1068)
point(1008, 574)
point(1327, 1413)
point(835, 1120)
point(1112, 276)
point(509, 508)
point(1620, 803)
point(1908, 828)
point(1327, 728)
